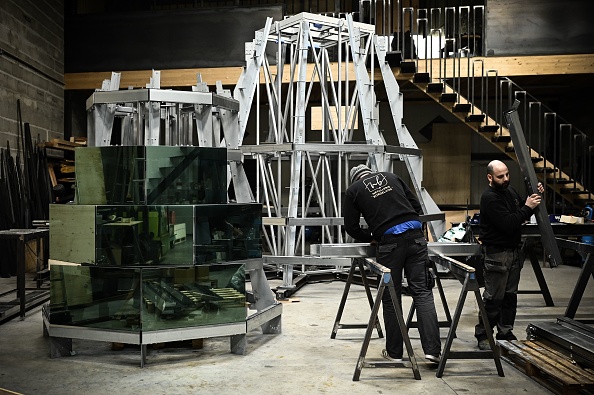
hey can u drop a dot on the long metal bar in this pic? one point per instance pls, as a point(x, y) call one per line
point(527, 168)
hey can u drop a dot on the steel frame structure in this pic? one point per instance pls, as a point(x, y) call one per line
point(153, 116)
point(287, 148)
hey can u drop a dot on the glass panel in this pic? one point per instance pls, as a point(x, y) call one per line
point(142, 235)
point(172, 297)
point(227, 232)
point(95, 297)
point(193, 296)
point(151, 175)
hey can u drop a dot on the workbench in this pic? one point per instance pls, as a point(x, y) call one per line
point(530, 235)
point(36, 295)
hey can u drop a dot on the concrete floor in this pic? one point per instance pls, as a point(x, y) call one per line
point(303, 359)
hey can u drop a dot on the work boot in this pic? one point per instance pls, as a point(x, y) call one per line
point(483, 344)
point(509, 336)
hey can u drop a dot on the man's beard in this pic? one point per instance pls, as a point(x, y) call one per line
point(501, 187)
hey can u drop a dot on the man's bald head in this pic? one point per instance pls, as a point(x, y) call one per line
point(498, 174)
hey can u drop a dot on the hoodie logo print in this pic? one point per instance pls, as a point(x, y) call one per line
point(377, 185)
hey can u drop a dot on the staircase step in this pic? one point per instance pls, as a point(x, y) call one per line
point(573, 191)
point(435, 87)
point(501, 139)
point(408, 67)
point(475, 118)
point(560, 181)
point(489, 128)
point(510, 148)
point(422, 78)
point(448, 98)
point(461, 107)
point(394, 58)
point(585, 201)
point(536, 159)
point(544, 170)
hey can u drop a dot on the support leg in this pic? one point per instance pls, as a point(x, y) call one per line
point(60, 347)
point(239, 344)
point(580, 286)
point(481, 305)
point(274, 326)
point(542, 282)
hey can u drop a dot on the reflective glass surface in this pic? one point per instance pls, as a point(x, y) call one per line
point(227, 232)
point(140, 235)
point(151, 175)
point(147, 298)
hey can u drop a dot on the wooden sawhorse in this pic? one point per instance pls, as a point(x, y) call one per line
point(466, 275)
point(385, 281)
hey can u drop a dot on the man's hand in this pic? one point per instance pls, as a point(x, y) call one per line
point(540, 187)
point(533, 200)
point(373, 243)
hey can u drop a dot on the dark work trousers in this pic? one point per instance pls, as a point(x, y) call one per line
point(502, 276)
point(408, 251)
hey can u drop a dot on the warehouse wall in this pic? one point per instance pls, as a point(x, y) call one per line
point(539, 27)
point(31, 68)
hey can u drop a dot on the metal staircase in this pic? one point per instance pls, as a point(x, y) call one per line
point(554, 171)
point(441, 57)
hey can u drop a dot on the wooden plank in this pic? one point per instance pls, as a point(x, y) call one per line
point(564, 365)
point(550, 369)
point(506, 66)
point(584, 374)
point(52, 174)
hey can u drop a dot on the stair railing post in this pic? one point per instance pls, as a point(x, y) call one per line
point(482, 63)
point(474, 29)
point(422, 21)
point(496, 75)
point(410, 12)
point(464, 49)
point(531, 127)
point(550, 118)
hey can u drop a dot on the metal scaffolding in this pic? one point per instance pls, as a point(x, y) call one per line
point(302, 172)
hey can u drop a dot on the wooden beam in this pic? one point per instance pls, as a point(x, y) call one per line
point(517, 65)
point(505, 66)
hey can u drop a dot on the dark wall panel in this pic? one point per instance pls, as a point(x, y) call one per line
point(162, 40)
point(539, 27)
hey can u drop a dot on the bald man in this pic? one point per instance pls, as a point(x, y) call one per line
point(502, 213)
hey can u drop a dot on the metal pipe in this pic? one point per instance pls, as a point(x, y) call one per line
point(482, 63)
point(474, 29)
point(487, 95)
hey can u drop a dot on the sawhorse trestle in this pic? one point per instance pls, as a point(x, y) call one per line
point(466, 275)
point(385, 281)
point(357, 263)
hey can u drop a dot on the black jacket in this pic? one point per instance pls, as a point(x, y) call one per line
point(502, 214)
point(384, 200)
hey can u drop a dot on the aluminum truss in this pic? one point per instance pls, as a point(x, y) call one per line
point(155, 116)
point(302, 173)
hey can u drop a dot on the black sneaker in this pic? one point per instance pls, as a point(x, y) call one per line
point(433, 358)
point(388, 357)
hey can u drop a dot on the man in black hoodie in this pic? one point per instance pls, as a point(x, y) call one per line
point(391, 211)
point(502, 214)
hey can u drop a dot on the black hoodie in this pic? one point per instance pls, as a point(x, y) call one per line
point(384, 200)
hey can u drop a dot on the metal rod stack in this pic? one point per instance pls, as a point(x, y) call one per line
point(24, 189)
